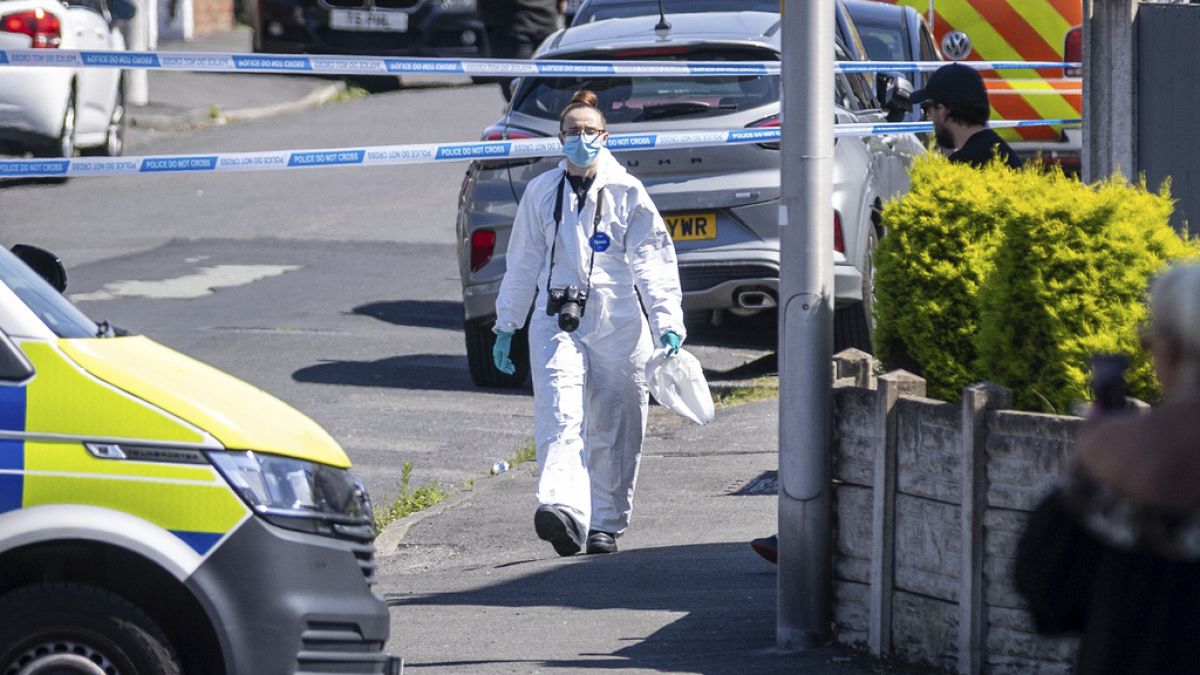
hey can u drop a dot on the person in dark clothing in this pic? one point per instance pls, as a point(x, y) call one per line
point(1113, 552)
point(956, 101)
point(516, 28)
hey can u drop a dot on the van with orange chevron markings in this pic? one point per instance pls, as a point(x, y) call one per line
point(1019, 30)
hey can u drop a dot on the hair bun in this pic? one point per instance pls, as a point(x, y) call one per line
point(586, 97)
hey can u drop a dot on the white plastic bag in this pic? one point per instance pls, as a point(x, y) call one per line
point(678, 383)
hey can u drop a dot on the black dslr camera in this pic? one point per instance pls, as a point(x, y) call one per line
point(569, 304)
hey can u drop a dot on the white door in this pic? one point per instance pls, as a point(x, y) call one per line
point(96, 88)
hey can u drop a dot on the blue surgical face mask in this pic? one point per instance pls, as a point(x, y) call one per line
point(582, 152)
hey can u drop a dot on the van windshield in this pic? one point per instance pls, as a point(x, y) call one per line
point(59, 315)
point(626, 100)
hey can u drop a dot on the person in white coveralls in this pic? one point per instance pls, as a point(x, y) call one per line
point(591, 254)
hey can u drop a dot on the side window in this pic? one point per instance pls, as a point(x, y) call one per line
point(928, 51)
point(841, 93)
point(860, 87)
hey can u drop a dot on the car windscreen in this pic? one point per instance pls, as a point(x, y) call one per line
point(59, 315)
point(625, 100)
point(597, 11)
point(884, 41)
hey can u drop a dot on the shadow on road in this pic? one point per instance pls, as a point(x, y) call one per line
point(439, 372)
point(750, 332)
point(726, 595)
point(416, 313)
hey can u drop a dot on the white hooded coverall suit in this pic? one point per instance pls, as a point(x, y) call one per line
point(589, 385)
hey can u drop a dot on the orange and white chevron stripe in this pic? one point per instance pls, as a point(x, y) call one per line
point(1016, 30)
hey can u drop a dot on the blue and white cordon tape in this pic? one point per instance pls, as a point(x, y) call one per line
point(426, 153)
point(313, 64)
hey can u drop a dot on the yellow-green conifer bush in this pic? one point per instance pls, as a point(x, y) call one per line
point(929, 267)
point(1018, 277)
point(1069, 281)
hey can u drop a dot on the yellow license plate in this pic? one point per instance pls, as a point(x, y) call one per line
point(691, 226)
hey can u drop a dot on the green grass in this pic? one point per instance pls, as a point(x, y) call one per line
point(525, 453)
point(350, 93)
point(763, 388)
point(409, 502)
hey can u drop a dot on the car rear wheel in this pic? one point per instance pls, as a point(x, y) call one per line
point(76, 628)
point(480, 340)
point(854, 325)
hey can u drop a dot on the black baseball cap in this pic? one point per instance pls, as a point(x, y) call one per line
point(953, 83)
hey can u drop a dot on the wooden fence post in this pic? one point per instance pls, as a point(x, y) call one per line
point(883, 507)
point(977, 401)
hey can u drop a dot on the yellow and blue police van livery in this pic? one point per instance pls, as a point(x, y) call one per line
point(160, 516)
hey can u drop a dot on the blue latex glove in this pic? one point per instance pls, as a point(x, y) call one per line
point(671, 341)
point(500, 353)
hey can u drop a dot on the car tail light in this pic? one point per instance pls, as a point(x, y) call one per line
point(772, 121)
point(839, 238)
point(500, 132)
point(42, 27)
point(1073, 51)
point(483, 246)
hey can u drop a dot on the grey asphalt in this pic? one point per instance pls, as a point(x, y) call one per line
point(472, 589)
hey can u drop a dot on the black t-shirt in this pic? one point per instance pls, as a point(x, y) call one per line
point(982, 146)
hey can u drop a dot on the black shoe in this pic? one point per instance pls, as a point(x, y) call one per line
point(556, 527)
point(601, 542)
point(767, 547)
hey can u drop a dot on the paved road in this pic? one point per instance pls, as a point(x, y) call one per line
point(336, 289)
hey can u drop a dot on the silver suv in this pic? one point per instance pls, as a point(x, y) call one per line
point(721, 203)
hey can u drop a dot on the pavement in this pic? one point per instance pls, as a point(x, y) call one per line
point(186, 100)
point(473, 590)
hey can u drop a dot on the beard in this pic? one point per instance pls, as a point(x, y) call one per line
point(943, 137)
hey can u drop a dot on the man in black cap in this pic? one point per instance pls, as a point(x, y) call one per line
point(956, 101)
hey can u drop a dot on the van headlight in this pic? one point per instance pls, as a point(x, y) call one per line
point(298, 494)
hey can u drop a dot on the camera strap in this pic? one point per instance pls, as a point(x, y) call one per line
point(558, 207)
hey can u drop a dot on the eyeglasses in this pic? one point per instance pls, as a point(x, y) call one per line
point(926, 106)
point(587, 134)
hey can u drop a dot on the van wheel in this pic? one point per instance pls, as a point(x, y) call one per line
point(854, 325)
point(75, 628)
point(480, 340)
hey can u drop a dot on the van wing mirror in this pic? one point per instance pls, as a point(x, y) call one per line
point(47, 265)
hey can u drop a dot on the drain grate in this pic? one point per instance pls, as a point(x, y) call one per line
point(765, 484)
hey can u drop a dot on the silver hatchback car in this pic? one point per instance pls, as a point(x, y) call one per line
point(720, 203)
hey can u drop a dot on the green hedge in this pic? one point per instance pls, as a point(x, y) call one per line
point(1018, 277)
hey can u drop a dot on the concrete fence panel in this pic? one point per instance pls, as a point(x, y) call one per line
point(930, 499)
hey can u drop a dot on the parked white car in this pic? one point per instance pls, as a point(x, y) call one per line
point(52, 112)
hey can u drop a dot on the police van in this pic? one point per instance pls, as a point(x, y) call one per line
point(160, 516)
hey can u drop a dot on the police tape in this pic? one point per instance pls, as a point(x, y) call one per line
point(312, 64)
point(429, 153)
